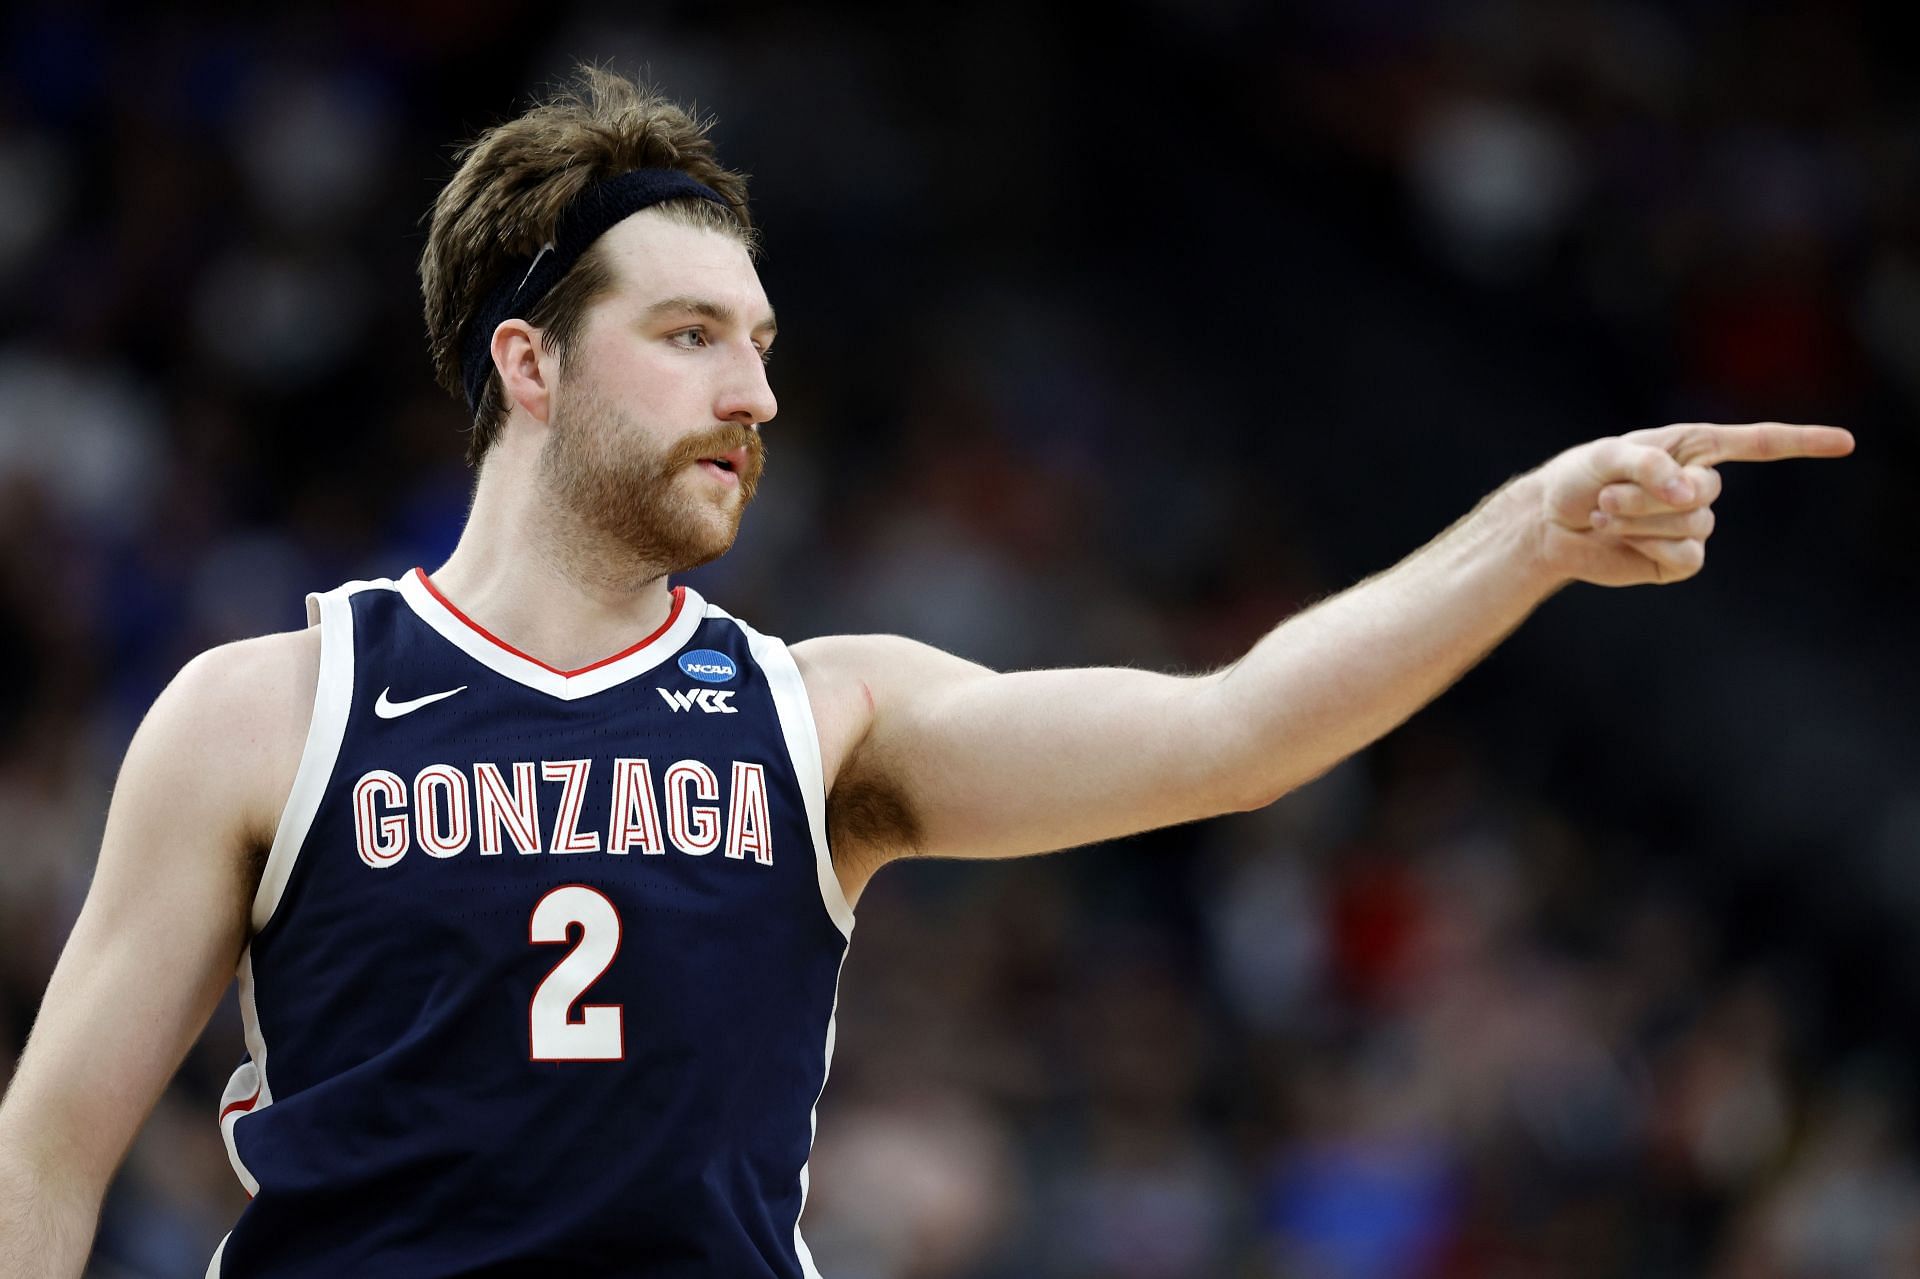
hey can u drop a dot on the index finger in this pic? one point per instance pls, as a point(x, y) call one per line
point(1709, 443)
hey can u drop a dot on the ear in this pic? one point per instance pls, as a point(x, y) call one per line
point(524, 367)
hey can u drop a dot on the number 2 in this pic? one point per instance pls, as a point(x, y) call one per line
point(597, 1035)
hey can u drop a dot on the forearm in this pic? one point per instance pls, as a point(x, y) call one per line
point(1345, 672)
point(47, 1221)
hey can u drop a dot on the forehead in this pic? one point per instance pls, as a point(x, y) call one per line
point(654, 257)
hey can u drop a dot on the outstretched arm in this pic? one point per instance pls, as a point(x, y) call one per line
point(954, 760)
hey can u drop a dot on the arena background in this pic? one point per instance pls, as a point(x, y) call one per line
point(1113, 337)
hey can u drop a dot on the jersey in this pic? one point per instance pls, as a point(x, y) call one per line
point(543, 963)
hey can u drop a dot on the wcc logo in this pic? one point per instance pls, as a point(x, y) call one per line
point(709, 667)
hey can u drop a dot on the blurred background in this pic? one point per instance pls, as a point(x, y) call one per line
point(1113, 336)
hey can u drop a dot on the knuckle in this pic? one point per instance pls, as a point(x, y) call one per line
point(1677, 559)
point(1705, 482)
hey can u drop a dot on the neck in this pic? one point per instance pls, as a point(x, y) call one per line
point(532, 574)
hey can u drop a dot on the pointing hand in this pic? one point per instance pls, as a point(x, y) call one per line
point(1638, 508)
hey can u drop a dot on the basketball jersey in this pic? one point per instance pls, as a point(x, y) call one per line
point(543, 965)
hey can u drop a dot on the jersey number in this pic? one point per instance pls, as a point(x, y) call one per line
point(597, 1035)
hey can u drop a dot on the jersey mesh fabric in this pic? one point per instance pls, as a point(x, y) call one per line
point(410, 1131)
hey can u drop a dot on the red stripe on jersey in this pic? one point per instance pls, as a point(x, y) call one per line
point(679, 596)
point(241, 1105)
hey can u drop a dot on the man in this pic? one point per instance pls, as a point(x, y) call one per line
point(538, 946)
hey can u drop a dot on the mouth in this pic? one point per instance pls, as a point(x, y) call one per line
point(726, 466)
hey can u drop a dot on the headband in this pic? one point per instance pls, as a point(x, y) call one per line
point(582, 222)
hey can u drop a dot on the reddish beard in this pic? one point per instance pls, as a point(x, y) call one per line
point(599, 466)
point(721, 440)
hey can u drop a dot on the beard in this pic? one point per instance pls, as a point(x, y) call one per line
point(603, 470)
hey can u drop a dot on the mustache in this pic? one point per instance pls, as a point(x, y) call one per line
point(720, 439)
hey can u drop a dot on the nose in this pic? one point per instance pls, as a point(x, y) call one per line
point(746, 396)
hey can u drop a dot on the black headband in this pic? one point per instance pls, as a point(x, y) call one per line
point(524, 283)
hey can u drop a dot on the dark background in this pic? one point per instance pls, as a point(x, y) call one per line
point(1114, 336)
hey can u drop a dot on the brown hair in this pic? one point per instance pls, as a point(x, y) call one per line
point(513, 182)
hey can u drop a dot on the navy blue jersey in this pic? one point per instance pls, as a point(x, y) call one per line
point(544, 963)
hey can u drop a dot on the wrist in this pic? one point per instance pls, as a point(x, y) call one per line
point(1511, 526)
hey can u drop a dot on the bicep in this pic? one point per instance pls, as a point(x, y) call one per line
point(980, 764)
point(156, 941)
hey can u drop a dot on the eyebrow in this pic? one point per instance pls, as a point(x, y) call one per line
point(718, 312)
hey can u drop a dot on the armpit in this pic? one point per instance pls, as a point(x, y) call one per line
point(869, 823)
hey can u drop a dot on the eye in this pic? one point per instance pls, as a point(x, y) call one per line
point(766, 356)
point(698, 336)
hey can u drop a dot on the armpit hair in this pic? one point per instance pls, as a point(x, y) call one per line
point(869, 822)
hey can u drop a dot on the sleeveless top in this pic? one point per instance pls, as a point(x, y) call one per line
point(544, 963)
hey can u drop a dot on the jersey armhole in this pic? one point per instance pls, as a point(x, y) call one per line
point(790, 702)
point(332, 699)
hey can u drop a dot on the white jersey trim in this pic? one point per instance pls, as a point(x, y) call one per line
point(496, 657)
point(795, 711)
point(807, 1269)
point(248, 1090)
point(803, 749)
point(332, 700)
point(213, 1267)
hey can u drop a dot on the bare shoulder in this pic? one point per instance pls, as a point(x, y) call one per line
point(850, 678)
point(859, 687)
point(229, 730)
point(881, 663)
point(831, 669)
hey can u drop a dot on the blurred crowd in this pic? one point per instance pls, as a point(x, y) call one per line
point(1594, 969)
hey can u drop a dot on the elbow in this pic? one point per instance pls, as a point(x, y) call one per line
point(1253, 778)
point(1234, 768)
point(1252, 800)
point(1272, 788)
point(1243, 789)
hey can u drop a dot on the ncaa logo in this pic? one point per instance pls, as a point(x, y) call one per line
point(707, 666)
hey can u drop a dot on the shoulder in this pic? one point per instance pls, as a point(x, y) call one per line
point(851, 677)
point(267, 677)
point(860, 684)
point(840, 698)
point(876, 662)
point(231, 726)
point(868, 692)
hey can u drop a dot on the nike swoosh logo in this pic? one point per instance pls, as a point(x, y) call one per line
point(394, 710)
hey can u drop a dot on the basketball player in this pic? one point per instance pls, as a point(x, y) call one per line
point(538, 870)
